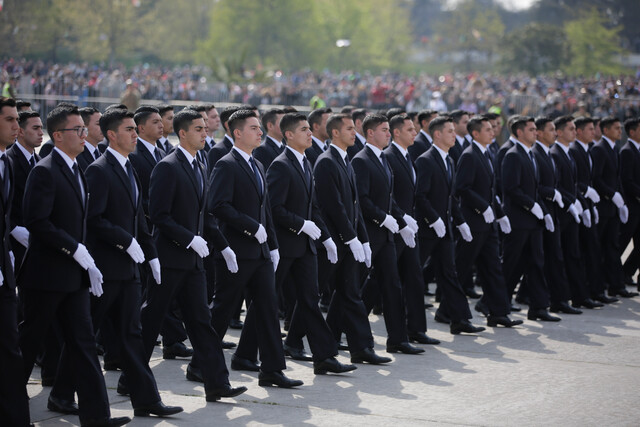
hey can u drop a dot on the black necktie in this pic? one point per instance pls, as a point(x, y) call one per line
point(448, 167)
point(5, 177)
point(307, 172)
point(385, 164)
point(488, 156)
point(32, 161)
point(157, 155)
point(203, 158)
point(132, 180)
point(257, 174)
point(410, 165)
point(533, 162)
point(196, 171)
point(76, 173)
point(96, 153)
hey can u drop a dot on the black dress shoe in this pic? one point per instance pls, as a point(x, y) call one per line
point(464, 326)
point(194, 374)
point(494, 321)
point(522, 299)
point(123, 388)
point(332, 365)
point(227, 345)
point(605, 299)
point(623, 293)
point(565, 308)
point(377, 309)
point(481, 307)
point(588, 303)
point(240, 364)
point(47, 381)
point(112, 365)
point(216, 394)
point(324, 307)
point(159, 409)
point(63, 406)
point(369, 356)
point(278, 379)
point(287, 325)
point(543, 315)
point(297, 353)
point(515, 308)
point(342, 346)
point(422, 338)
point(177, 349)
point(99, 349)
point(107, 422)
point(428, 305)
point(441, 318)
point(236, 324)
point(471, 293)
point(404, 347)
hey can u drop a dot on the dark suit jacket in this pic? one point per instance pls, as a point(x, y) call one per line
point(548, 181)
point(314, 152)
point(143, 163)
point(630, 176)
point(420, 145)
point(476, 188)
point(404, 188)
point(55, 215)
point(355, 148)
point(293, 202)
point(566, 174)
point(583, 171)
point(102, 145)
point(177, 211)
point(236, 202)
point(375, 192)
point(46, 149)
point(5, 228)
point(456, 151)
point(337, 196)
point(217, 152)
point(168, 148)
point(497, 163)
point(85, 158)
point(114, 219)
point(606, 177)
point(267, 152)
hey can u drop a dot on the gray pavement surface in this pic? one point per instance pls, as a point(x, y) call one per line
point(582, 371)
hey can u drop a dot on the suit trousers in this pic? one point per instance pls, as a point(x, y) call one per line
point(410, 271)
point(574, 261)
point(590, 244)
point(554, 267)
point(609, 233)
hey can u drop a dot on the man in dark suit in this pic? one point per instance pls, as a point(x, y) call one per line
point(383, 218)
point(630, 180)
point(475, 187)
point(166, 114)
point(91, 118)
point(436, 211)
point(400, 161)
point(339, 204)
point(177, 203)
point(272, 145)
point(213, 124)
point(358, 116)
point(493, 148)
point(318, 122)
point(612, 208)
point(499, 157)
point(298, 223)
point(460, 120)
point(53, 278)
point(554, 263)
point(523, 247)
point(239, 199)
point(423, 140)
point(226, 144)
point(14, 402)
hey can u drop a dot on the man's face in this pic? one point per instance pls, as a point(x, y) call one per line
point(379, 136)
point(95, 134)
point(322, 130)
point(250, 135)
point(527, 135)
point(461, 126)
point(124, 138)
point(70, 141)
point(446, 137)
point(274, 129)
point(194, 138)
point(405, 134)
point(568, 133)
point(214, 121)
point(547, 135)
point(587, 133)
point(485, 134)
point(613, 132)
point(9, 128)
point(347, 133)
point(167, 122)
point(31, 135)
point(206, 121)
point(598, 132)
point(152, 129)
point(300, 138)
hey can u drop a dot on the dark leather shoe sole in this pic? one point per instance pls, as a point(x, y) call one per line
point(69, 408)
point(214, 395)
point(161, 412)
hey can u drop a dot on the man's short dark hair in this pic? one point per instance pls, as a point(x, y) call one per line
point(289, 109)
point(290, 121)
point(475, 124)
point(118, 106)
point(237, 119)
point(456, 115)
point(397, 122)
point(372, 121)
point(86, 113)
point(542, 121)
point(164, 109)
point(491, 116)
point(562, 121)
point(270, 116)
point(581, 122)
point(438, 123)
point(198, 108)
point(112, 119)
point(394, 112)
point(631, 124)
point(21, 104)
point(143, 113)
point(348, 109)
point(182, 120)
point(226, 114)
point(57, 118)
point(24, 116)
point(512, 119)
point(607, 122)
point(359, 114)
point(315, 117)
point(425, 115)
point(335, 122)
point(520, 123)
point(7, 102)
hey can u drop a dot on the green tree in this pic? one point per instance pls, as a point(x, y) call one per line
point(534, 49)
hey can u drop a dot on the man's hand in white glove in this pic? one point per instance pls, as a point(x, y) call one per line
point(230, 258)
point(617, 200)
point(411, 222)
point(439, 228)
point(199, 246)
point(12, 258)
point(366, 248)
point(573, 211)
point(21, 234)
point(505, 224)
point(408, 236)
point(548, 223)
point(135, 251)
point(1, 279)
point(311, 229)
point(592, 194)
point(356, 249)
point(596, 216)
point(390, 224)
point(488, 215)
point(586, 218)
point(261, 234)
point(623, 213)
point(536, 210)
point(465, 232)
point(154, 264)
point(95, 279)
point(557, 197)
point(275, 258)
point(83, 257)
point(332, 250)
point(578, 206)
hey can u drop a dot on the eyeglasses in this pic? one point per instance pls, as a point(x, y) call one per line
point(81, 131)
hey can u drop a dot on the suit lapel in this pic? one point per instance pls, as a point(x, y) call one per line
point(189, 171)
point(377, 162)
point(70, 177)
point(296, 165)
point(146, 154)
point(245, 166)
point(124, 178)
point(403, 162)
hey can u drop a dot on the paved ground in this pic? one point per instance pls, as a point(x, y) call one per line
point(582, 371)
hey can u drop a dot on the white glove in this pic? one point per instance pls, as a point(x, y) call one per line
point(154, 264)
point(12, 257)
point(332, 250)
point(412, 223)
point(1, 279)
point(391, 224)
point(261, 234)
point(199, 246)
point(95, 278)
point(311, 229)
point(408, 236)
point(578, 206)
point(366, 247)
point(596, 216)
point(623, 213)
point(548, 223)
point(135, 251)
point(558, 199)
point(536, 210)
point(617, 200)
point(356, 249)
point(488, 215)
point(465, 231)
point(83, 257)
point(573, 211)
point(505, 224)
point(439, 228)
point(586, 218)
point(275, 258)
point(21, 234)
point(230, 258)
point(592, 194)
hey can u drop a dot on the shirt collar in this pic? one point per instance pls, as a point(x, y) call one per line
point(244, 155)
point(565, 149)
point(459, 140)
point(68, 160)
point(151, 147)
point(482, 148)
point(275, 141)
point(375, 149)
point(636, 144)
point(299, 156)
point(584, 146)
point(90, 147)
point(442, 153)
point(402, 150)
point(26, 154)
point(343, 153)
point(526, 149)
point(163, 139)
point(611, 143)
point(229, 138)
point(188, 155)
point(427, 135)
point(544, 147)
point(360, 137)
point(119, 157)
point(319, 143)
